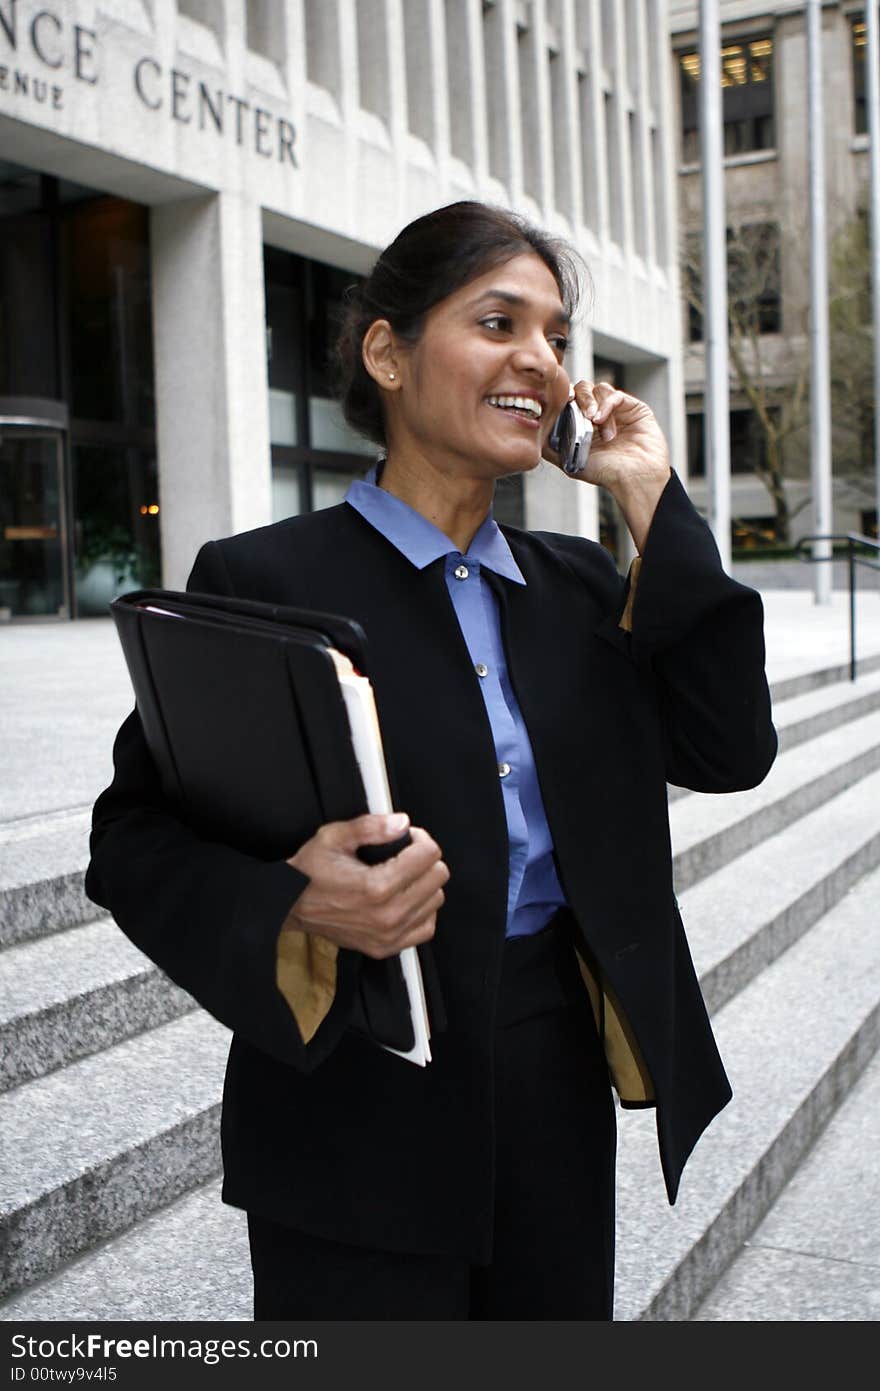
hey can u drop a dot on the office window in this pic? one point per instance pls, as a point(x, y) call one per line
point(753, 276)
point(753, 534)
point(748, 444)
point(315, 454)
point(747, 98)
point(692, 283)
point(372, 43)
point(419, 69)
point(265, 29)
point(206, 12)
point(497, 114)
point(458, 73)
point(106, 259)
point(322, 45)
point(859, 50)
point(753, 280)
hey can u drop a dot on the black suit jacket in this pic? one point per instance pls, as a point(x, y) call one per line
point(340, 1138)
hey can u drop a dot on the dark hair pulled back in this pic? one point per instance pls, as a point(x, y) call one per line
point(430, 259)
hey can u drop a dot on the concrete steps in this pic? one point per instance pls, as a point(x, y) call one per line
point(815, 1257)
point(42, 862)
point(710, 831)
point(745, 915)
point(89, 1150)
point(807, 714)
point(794, 1041)
point(810, 680)
point(189, 1261)
point(73, 993)
point(111, 1218)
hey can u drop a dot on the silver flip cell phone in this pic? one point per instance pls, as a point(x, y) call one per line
point(571, 438)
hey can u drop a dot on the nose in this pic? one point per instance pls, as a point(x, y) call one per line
point(536, 356)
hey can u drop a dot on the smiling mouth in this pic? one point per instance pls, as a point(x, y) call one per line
point(524, 407)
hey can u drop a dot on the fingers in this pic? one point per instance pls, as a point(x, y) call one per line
point(403, 894)
point(395, 876)
point(599, 401)
point(375, 909)
point(405, 910)
point(371, 829)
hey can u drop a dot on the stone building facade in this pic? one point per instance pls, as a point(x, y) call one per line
point(764, 79)
point(186, 188)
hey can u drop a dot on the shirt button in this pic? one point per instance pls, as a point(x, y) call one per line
point(503, 769)
point(481, 669)
point(461, 572)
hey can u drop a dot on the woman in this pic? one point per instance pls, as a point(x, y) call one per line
point(533, 706)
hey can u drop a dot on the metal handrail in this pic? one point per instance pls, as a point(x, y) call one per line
point(852, 539)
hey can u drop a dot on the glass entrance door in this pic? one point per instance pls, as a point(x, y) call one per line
point(33, 581)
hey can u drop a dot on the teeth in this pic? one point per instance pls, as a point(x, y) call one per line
point(522, 403)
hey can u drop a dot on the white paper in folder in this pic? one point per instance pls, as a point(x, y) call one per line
point(366, 737)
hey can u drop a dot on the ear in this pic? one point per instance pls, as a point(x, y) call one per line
point(380, 355)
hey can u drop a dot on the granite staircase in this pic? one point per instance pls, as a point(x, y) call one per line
point(110, 1079)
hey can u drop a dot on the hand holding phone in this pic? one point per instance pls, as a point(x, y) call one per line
point(571, 438)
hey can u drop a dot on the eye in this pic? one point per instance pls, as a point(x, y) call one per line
point(559, 342)
point(498, 323)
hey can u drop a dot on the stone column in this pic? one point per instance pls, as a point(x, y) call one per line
point(212, 404)
point(660, 385)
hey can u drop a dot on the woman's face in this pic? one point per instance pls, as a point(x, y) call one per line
point(482, 387)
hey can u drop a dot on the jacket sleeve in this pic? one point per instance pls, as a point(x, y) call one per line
point(701, 635)
point(208, 915)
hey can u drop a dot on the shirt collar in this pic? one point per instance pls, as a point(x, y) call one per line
point(422, 542)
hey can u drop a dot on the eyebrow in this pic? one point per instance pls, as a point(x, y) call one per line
point(519, 302)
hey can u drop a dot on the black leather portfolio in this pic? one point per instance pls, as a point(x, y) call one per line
point(245, 718)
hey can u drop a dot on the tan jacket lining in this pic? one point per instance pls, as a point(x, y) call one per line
point(626, 618)
point(629, 1073)
point(305, 973)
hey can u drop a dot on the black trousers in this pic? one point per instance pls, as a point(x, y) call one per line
point(553, 1245)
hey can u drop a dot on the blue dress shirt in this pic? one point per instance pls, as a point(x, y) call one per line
point(534, 891)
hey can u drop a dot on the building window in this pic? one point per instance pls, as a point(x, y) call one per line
point(859, 51)
point(419, 70)
point(106, 264)
point(497, 112)
point(322, 45)
point(747, 97)
point(458, 72)
point(692, 281)
point(29, 363)
point(753, 280)
point(748, 445)
point(265, 30)
point(372, 42)
point(79, 499)
point(314, 453)
point(116, 523)
point(753, 277)
point(753, 534)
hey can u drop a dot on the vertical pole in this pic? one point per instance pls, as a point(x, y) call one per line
point(851, 557)
point(872, 72)
point(820, 398)
point(717, 392)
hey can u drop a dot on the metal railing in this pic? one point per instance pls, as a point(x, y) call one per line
point(852, 540)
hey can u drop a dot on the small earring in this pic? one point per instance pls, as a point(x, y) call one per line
point(391, 376)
